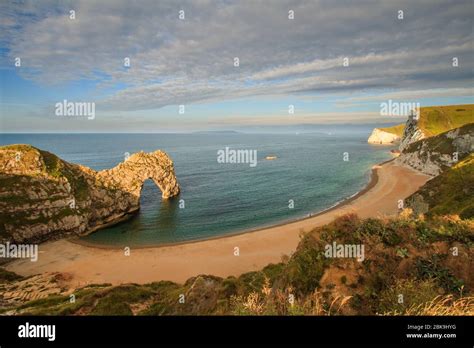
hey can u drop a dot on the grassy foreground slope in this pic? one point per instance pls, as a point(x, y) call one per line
point(403, 256)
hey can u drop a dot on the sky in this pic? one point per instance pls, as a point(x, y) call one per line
point(333, 61)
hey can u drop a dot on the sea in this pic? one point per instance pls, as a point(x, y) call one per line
point(314, 169)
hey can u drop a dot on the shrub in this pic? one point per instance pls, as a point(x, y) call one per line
point(306, 267)
point(406, 293)
point(432, 268)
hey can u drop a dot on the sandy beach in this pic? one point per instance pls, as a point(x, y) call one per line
point(87, 264)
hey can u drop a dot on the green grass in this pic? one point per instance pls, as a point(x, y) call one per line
point(438, 119)
point(53, 165)
point(59, 168)
point(451, 192)
point(397, 130)
point(432, 269)
point(49, 301)
point(19, 147)
point(306, 266)
point(412, 292)
point(117, 300)
point(7, 276)
point(435, 120)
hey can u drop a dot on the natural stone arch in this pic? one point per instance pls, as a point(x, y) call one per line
point(131, 174)
point(76, 199)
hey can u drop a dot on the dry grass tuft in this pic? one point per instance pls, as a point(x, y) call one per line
point(440, 305)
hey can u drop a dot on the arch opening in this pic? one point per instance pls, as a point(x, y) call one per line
point(150, 194)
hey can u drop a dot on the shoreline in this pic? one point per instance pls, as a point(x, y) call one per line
point(257, 249)
point(373, 179)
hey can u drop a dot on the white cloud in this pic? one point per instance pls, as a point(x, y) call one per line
point(191, 61)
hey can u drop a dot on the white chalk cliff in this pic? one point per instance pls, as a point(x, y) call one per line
point(381, 137)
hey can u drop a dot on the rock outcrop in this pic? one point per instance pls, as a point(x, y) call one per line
point(429, 122)
point(411, 134)
point(435, 154)
point(43, 197)
point(381, 137)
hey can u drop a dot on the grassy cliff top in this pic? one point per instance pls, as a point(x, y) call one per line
point(397, 130)
point(26, 168)
point(438, 119)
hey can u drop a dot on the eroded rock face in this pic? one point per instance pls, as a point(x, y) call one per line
point(43, 197)
point(433, 155)
point(411, 133)
point(383, 138)
point(139, 167)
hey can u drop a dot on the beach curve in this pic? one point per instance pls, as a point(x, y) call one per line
point(88, 264)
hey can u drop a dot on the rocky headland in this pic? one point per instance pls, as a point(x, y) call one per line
point(438, 139)
point(412, 133)
point(43, 197)
point(435, 154)
point(382, 137)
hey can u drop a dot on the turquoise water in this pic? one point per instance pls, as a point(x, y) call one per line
point(225, 198)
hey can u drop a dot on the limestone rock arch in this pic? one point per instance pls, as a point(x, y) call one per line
point(44, 197)
point(131, 174)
